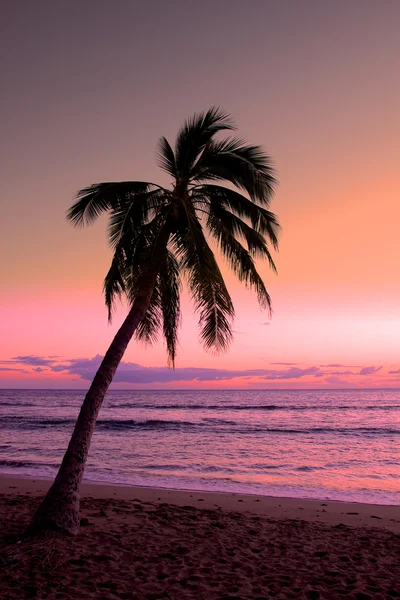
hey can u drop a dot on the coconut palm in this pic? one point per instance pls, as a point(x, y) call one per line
point(159, 237)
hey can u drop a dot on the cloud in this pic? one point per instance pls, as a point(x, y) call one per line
point(266, 323)
point(134, 373)
point(341, 373)
point(129, 372)
point(286, 364)
point(292, 373)
point(32, 361)
point(369, 370)
point(333, 373)
point(397, 372)
point(296, 372)
point(334, 379)
point(338, 365)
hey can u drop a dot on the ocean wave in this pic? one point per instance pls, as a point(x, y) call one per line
point(23, 463)
point(267, 466)
point(115, 424)
point(216, 421)
point(308, 469)
point(18, 404)
point(146, 424)
point(312, 430)
point(157, 467)
point(249, 407)
point(217, 426)
point(198, 406)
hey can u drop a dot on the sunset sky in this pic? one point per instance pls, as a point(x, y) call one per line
point(87, 90)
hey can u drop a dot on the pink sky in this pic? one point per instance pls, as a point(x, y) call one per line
point(317, 86)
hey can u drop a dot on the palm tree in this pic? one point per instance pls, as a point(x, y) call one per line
point(158, 236)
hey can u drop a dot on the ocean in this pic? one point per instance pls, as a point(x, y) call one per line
point(322, 444)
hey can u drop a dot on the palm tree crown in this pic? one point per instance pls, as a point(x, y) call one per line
point(161, 231)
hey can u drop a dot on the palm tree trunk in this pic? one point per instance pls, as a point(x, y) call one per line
point(60, 508)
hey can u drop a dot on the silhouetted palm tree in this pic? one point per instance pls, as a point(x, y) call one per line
point(158, 237)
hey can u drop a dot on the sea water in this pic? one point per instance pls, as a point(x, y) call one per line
point(331, 444)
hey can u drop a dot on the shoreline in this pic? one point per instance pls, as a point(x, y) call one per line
point(109, 484)
point(152, 485)
point(353, 514)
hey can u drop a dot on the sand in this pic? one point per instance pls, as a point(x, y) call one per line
point(153, 543)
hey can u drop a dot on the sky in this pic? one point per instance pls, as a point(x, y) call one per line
point(87, 90)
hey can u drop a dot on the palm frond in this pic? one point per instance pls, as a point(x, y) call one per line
point(114, 285)
point(239, 259)
point(261, 219)
point(169, 286)
point(134, 213)
point(246, 167)
point(207, 286)
point(149, 327)
point(195, 134)
point(256, 243)
point(164, 308)
point(166, 157)
point(101, 197)
point(136, 256)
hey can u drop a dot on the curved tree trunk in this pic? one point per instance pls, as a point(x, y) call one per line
point(60, 507)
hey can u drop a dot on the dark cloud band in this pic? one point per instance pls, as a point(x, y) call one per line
point(133, 373)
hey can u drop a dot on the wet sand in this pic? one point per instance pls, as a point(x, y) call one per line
point(152, 543)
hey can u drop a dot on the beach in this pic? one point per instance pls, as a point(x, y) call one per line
point(139, 542)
